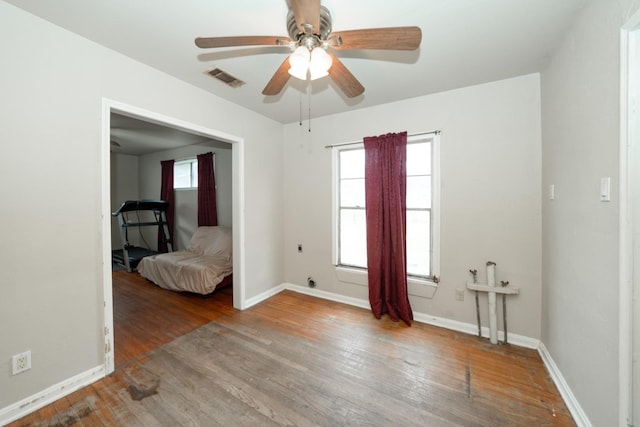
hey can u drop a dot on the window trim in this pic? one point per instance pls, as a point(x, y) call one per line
point(420, 286)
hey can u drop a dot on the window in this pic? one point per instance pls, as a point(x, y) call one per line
point(185, 173)
point(422, 205)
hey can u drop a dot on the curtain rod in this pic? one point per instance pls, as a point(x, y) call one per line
point(435, 132)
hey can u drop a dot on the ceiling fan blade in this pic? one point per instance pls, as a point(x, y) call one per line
point(210, 42)
point(278, 80)
point(306, 12)
point(392, 38)
point(344, 79)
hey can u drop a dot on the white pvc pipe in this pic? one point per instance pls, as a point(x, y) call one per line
point(493, 314)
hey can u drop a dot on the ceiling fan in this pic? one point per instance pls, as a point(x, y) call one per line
point(309, 28)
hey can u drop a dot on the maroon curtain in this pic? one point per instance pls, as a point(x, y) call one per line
point(207, 209)
point(166, 193)
point(385, 192)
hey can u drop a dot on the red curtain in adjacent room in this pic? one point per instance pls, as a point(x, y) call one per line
point(207, 208)
point(167, 194)
point(385, 192)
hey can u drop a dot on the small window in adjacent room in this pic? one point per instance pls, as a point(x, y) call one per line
point(185, 173)
point(422, 207)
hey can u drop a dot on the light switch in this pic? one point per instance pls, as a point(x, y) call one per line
point(605, 189)
point(552, 192)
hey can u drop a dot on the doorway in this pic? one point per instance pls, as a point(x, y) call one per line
point(110, 107)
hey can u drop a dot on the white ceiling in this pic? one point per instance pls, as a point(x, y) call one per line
point(464, 42)
point(137, 137)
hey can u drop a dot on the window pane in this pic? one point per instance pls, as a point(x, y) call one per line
point(185, 174)
point(353, 237)
point(418, 192)
point(419, 243)
point(352, 193)
point(182, 175)
point(419, 158)
point(352, 248)
point(352, 163)
point(194, 173)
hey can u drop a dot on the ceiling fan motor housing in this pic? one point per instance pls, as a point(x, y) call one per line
point(325, 26)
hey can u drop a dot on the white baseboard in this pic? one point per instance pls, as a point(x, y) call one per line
point(49, 395)
point(467, 328)
point(262, 297)
point(356, 302)
point(579, 416)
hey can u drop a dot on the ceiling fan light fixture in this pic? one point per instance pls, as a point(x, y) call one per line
point(298, 73)
point(320, 63)
point(299, 62)
point(317, 74)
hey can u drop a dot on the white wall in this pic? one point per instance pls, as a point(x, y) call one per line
point(124, 186)
point(580, 134)
point(490, 161)
point(53, 84)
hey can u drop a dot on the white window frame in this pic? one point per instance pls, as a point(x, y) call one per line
point(418, 286)
point(193, 161)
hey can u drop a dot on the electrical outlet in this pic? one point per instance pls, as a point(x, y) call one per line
point(459, 294)
point(21, 362)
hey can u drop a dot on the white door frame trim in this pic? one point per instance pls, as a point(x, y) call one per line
point(627, 115)
point(237, 144)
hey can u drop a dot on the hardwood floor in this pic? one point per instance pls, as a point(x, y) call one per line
point(298, 360)
point(146, 316)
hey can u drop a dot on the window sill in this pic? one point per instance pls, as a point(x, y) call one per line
point(417, 287)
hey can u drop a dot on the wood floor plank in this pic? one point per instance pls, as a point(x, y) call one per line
point(116, 412)
point(224, 397)
point(295, 360)
point(146, 316)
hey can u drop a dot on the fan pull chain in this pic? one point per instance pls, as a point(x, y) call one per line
point(309, 101)
point(300, 115)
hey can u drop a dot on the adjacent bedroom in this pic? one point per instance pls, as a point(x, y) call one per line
point(171, 234)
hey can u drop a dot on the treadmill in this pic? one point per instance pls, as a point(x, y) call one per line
point(129, 256)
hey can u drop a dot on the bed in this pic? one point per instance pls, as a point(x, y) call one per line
point(206, 265)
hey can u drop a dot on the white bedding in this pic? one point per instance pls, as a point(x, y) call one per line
point(198, 269)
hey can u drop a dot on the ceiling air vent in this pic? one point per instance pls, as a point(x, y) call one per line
point(224, 77)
